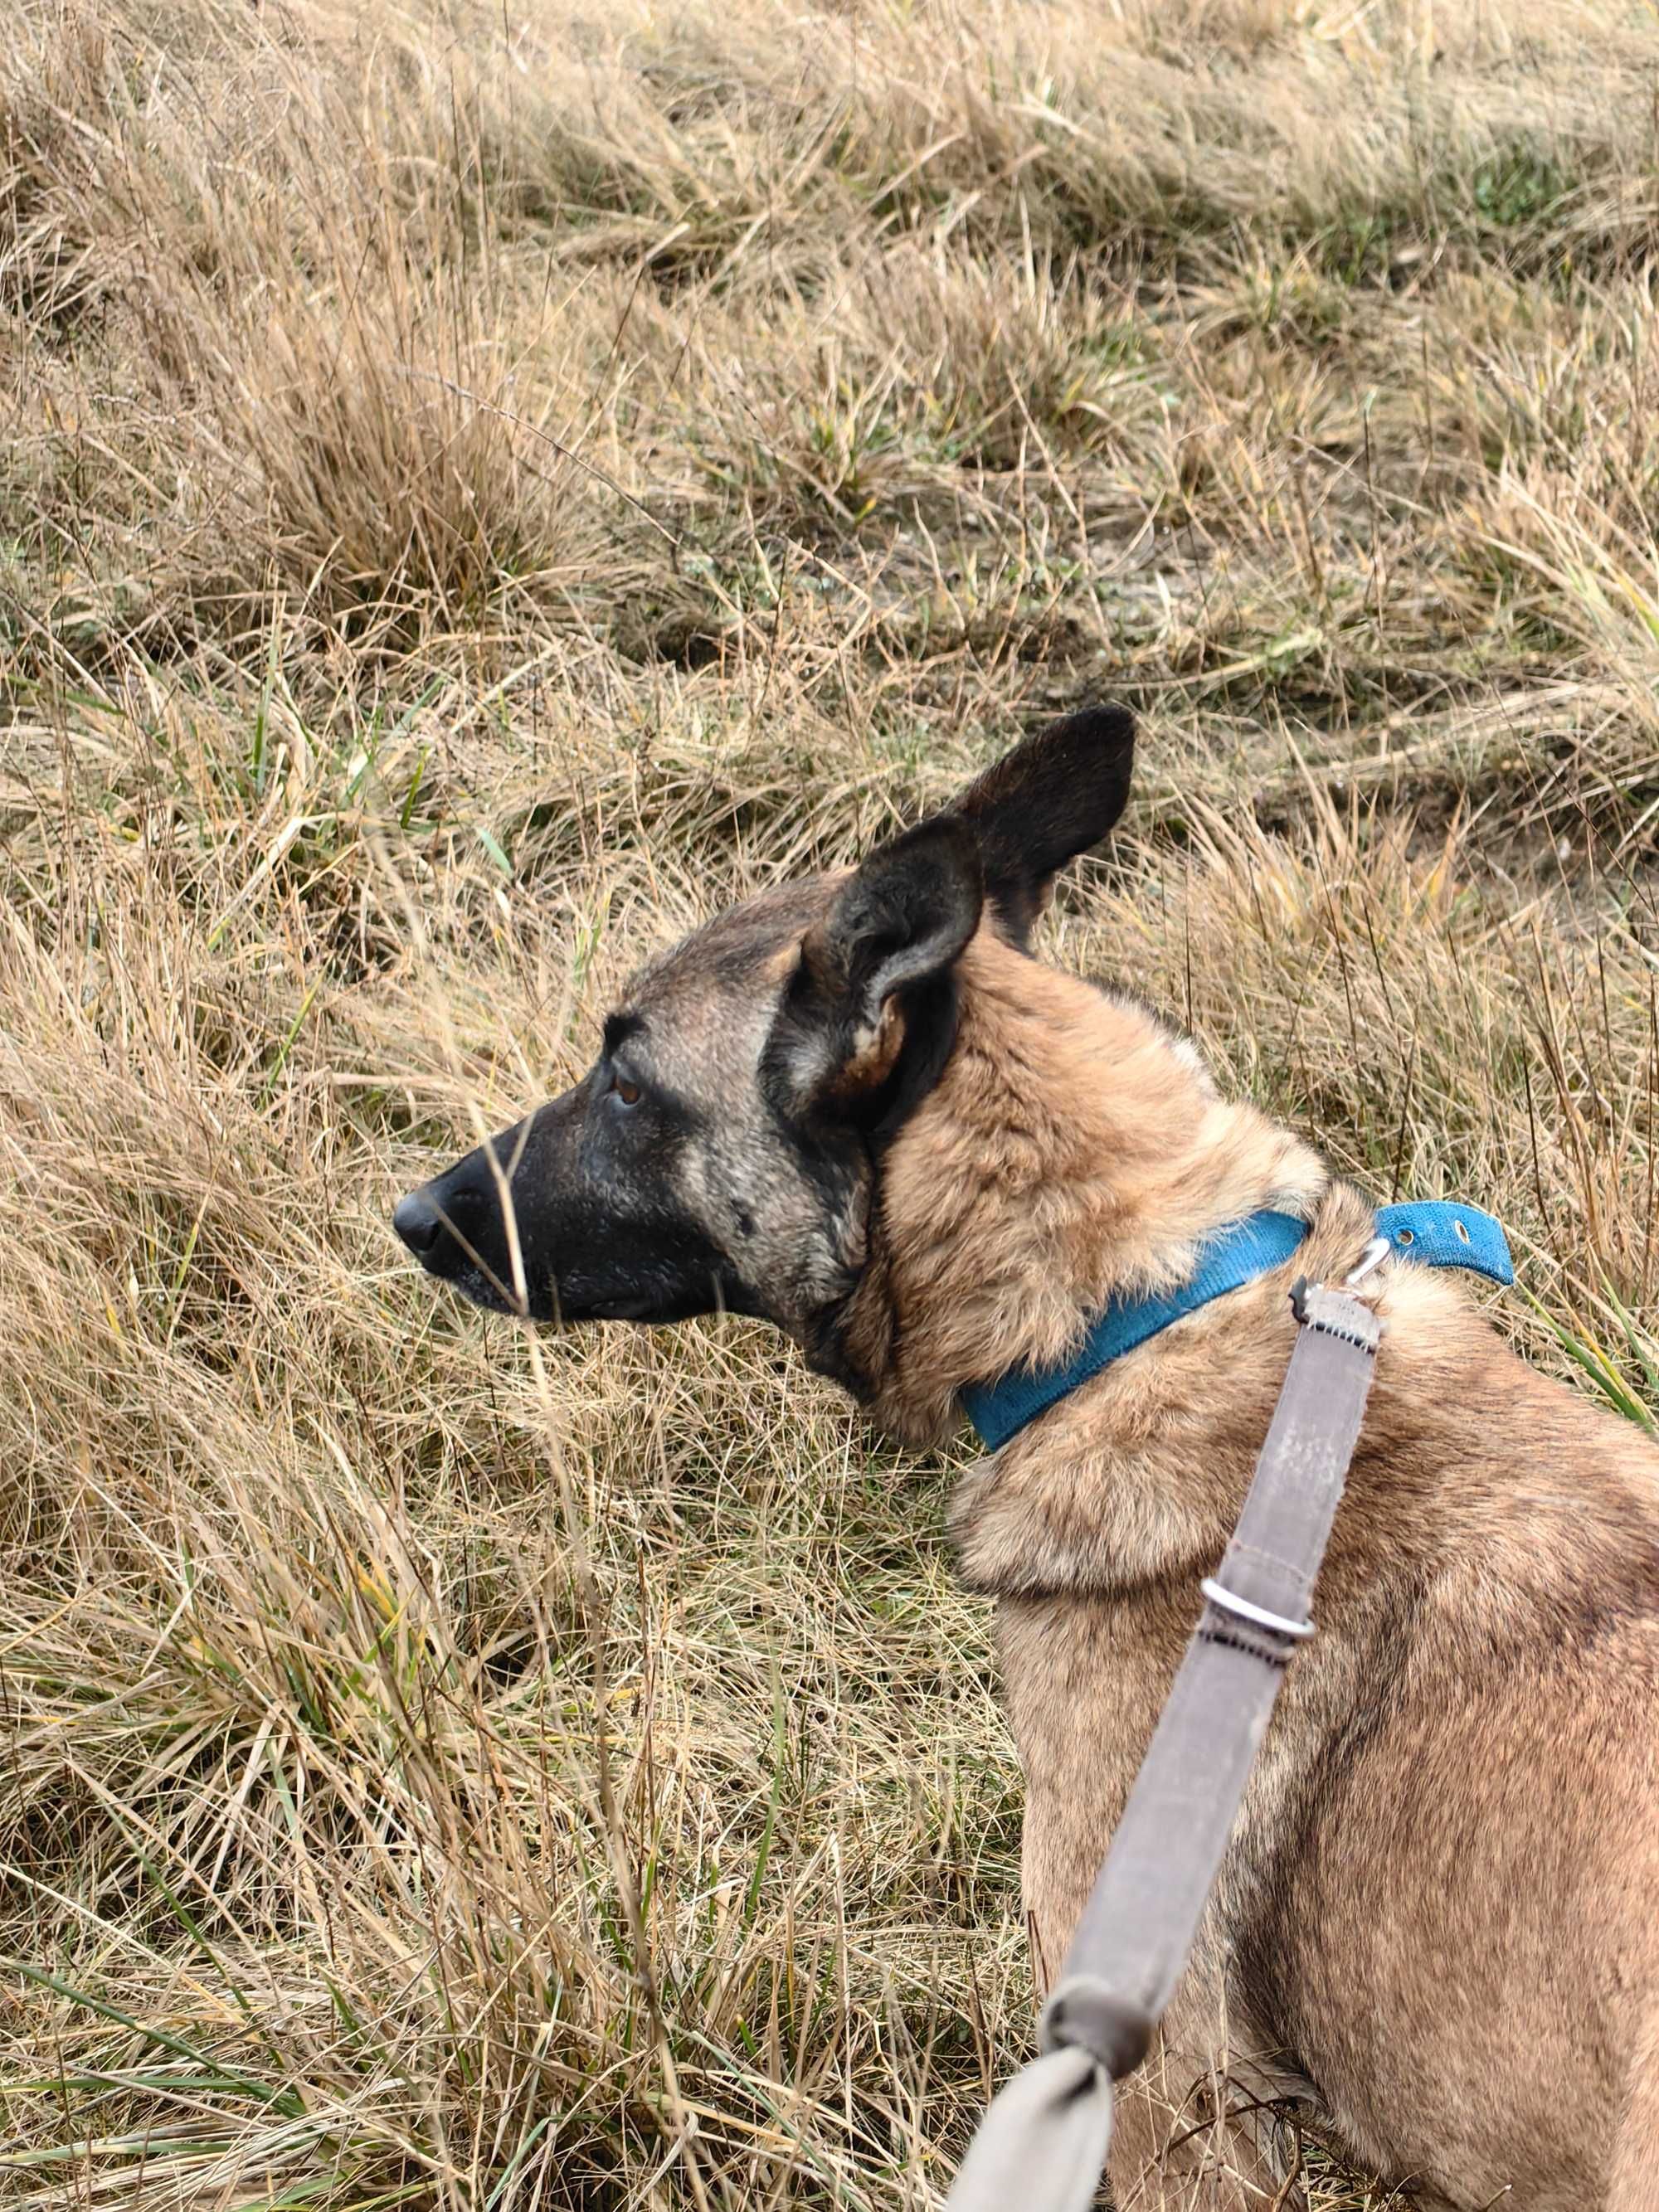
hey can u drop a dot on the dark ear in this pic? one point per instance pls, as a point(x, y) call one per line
point(871, 1008)
point(1050, 799)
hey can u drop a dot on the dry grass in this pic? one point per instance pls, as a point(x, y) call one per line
point(480, 486)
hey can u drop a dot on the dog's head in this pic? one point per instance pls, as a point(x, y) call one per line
point(726, 1148)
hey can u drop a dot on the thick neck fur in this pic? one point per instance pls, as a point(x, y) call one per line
point(1071, 1150)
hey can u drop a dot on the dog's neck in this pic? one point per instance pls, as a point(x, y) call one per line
point(1072, 1149)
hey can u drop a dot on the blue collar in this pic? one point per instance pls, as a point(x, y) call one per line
point(1434, 1232)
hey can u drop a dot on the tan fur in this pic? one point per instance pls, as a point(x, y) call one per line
point(1439, 1919)
point(1437, 1923)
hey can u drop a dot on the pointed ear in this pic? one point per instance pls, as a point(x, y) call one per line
point(874, 985)
point(1050, 799)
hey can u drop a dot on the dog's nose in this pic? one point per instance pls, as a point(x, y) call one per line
point(419, 1223)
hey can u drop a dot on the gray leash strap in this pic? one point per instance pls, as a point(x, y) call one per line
point(1043, 2141)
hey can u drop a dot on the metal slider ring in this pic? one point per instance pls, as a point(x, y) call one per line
point(1257, 1615)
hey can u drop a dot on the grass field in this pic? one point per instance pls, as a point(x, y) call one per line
point(480, 485)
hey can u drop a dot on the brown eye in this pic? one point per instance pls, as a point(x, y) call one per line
point(628, 1092)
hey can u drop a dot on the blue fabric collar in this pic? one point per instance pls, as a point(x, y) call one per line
point(1434, 1232)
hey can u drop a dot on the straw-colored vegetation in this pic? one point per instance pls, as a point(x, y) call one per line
point(482, 482)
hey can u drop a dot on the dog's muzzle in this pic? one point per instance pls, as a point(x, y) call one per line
point(456, 1225)
point(547, 1222)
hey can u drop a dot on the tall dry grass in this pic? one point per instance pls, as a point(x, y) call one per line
point(481, 486)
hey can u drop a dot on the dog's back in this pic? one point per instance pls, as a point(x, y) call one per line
point(1440, 1919)
point(1481, 1870)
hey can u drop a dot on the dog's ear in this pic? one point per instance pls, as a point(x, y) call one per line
point(869, 1012)
point(1050, 799)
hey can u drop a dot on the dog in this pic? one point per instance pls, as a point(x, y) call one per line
point(859, 1107)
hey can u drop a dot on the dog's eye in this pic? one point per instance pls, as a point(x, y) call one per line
point(627, 1093)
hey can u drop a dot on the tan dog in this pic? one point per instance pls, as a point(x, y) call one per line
point(858, 1106)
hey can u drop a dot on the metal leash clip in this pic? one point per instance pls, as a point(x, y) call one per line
point(1370, 1259)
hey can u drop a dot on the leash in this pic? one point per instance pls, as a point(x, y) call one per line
point(1044, 2140)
